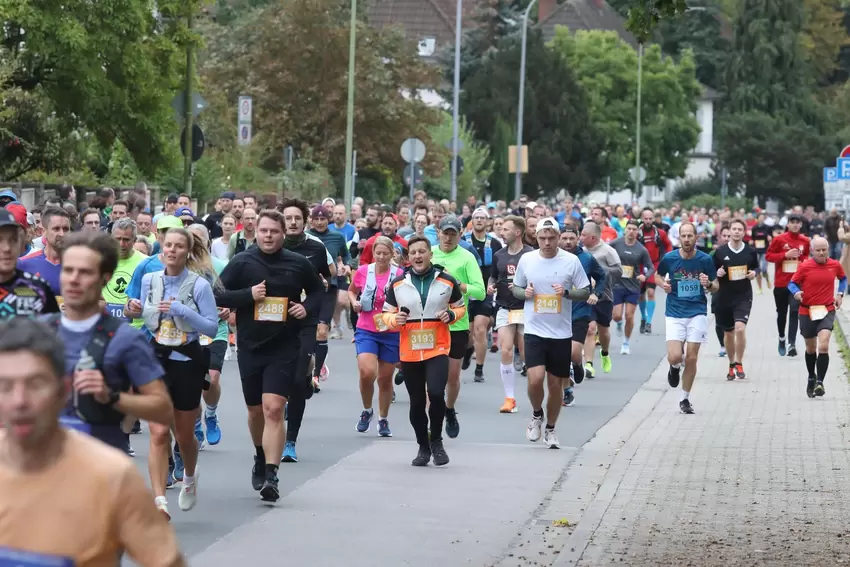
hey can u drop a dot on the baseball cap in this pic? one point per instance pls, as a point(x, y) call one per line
point(19, 212)
point(228, 195)
point(450, 222)
point(168, 221)
point(491, 205)
point(172, 198)
point(183, 211)
point(319, 212)
point(8, 194)
point(480, 211)
point(7, 219)
point(548, 223)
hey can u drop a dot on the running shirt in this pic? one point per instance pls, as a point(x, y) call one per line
point(785, 267)
point(481, 248)
point(687, 298)
point(463, 266)
point(635, 260)
point(37, 264)
point(735, 286)
point(504, 269)
point(549, 315)
point(817, 282)
point(610, 262)
point(347, 230)
point(115, 292)
point(366, 319)
point(26, 295)
point(761, 235)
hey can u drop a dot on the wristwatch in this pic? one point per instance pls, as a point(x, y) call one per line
point(113, 398)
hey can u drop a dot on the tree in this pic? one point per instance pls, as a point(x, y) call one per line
point(111, 70)
point(824, 36)
point(644, 15)
point(501, 180)
point(702, 32)
point(475, 155)
point(606, 68)
point(564, 145)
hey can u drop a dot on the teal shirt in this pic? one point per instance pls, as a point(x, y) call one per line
point(461, 264)
point(221, 334)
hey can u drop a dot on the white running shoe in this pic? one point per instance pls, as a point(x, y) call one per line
point(324, 373)
point(189, 494)
point(551, 439)
point(625, 349)
point(162, 505)
point(532, 432)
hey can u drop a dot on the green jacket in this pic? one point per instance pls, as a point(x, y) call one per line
point(464, 267)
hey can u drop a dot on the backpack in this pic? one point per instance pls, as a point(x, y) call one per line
point(657, 238)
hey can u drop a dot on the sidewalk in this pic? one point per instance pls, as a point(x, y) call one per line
point(759, 476)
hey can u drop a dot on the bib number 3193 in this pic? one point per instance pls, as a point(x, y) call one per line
point(423, 339)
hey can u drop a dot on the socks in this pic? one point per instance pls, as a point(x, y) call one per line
point(684, 396)
point(210, 411)
point(188, 480)
point(321, 355)
point(479, 368)
point(603, 352)
point(369, 410)
point(642, 305)
point(822, 365)
point(811, 358)
point(650, 310)
point(538, 413)
point(508, 379)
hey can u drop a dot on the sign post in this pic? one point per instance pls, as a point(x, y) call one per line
point(413, 151)
point(245, 113)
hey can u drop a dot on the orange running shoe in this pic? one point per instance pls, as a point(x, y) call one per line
point(509, 406)
point(739, 371)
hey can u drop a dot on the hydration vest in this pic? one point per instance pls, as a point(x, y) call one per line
point(656, 234)
point(370, 289)
point(488, 248)
point(185, 295)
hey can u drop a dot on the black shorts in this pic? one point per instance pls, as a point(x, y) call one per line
point(580, 329)
point(326, 311)
point(342, 284)
point(809, 329)
point(552, 354)
point(217, 351)
point(185, 381)
point(648, 284)
point(602, 313)
point(484, 308)
point(460, 342)
point(727, 313)
point(269, 373)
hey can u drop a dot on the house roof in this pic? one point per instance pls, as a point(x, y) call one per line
point(421, 19)
point(586, 15)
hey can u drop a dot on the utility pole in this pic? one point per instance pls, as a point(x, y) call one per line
point(521, 105)
point(637, 178)
point(349, 127)
point(455, 101)
point(188, 142)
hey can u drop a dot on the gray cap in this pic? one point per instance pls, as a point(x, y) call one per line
point(450, 222)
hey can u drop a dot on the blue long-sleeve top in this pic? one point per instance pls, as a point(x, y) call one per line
point(593, 270)
point(204, 321)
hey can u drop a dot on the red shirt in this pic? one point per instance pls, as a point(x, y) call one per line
point(785, 267)
point(366, 253)
point(817, 282)
point(609, 234)
point(651, 243)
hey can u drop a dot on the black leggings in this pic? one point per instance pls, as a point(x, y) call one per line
point(429, 376)
point(785, 302)
point(302, 390)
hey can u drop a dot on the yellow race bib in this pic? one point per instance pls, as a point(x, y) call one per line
point(817, 312)
point(516, 317)
point(760, 243)
point(61, 301)
point(790, 266)
point(737, 273)
point(205, 340)
point(169, 335)
point(628, 272)
point(422, 339)
point(549, 304)
point(272, 309)
point(379, 322)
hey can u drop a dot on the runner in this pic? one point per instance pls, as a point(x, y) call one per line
point(657, 243)
point(547, 280)
point(737, 264)
point(686, 275)
point(723, 238)
point(813, 285)
point(337, 247)
point(509, 309)
point(45, 263)
point(761, 235)
point(463, 266)
point(115, 291)
point(481, 312)
point(246, 236)
point(376, 345)
point(264, 284)
point(603, 309)
point(637, 267)
point(23, 294)
point(786, 251)
point(422, 303)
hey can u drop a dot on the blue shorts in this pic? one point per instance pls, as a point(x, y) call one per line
point(622, 295)
point(383, 345)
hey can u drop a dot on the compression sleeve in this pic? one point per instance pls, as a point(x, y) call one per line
point(842, 284)
point(793, 288)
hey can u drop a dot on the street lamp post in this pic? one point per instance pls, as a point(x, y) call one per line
point(456, 98)
point(637, 176)
point(521, 107)
point(349, 127)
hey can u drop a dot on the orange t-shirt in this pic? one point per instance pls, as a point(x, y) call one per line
point(88, 508)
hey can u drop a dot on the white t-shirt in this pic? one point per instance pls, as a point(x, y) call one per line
point(218, 249)
point(548, 315)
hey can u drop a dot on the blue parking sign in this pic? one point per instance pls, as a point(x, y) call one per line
point(830, 174)
point(843, 167)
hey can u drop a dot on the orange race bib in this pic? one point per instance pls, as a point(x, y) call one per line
point(737, 273)
point(169, 335)
point(422, 339)
point(273, 309)
point(379, 323)
point(549, 304)
point(790, 266)
point(817, 312)
point(760, 243)
point(205, 340)
point(61, 301)
point(516, 317)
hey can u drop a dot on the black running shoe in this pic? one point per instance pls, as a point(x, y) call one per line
point(399, 378)
point(781, 348)
point(452, 425)
point(819, 389)
point(673, 377)
point(137, 428)
point(439, 453)
point(269, 491)
point(810, 388)
point(423, 457)
point(569, 398)
point(524, 371)
point(792, 350)
point(686, 407)
point(466, 360)
point(642, 326)
point(479, 375)
point(648, 329)
point(258, 474)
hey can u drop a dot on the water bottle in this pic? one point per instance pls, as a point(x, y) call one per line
point(85, 406)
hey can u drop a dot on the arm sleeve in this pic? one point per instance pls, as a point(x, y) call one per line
point(457, 305)
point(313, 287)
point(366, 253)
point(754, 261)
point(390, 308)
point(519, 277)
point(50, 303)
point(665, 242)
point(774, 252)
point(233, 295)
point(345, 252)
point(614, 265)
point(134, 289)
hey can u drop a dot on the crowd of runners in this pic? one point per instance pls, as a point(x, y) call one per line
point(114, 317)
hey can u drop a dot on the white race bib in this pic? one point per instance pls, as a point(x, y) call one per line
point(628, 272)
point(817, 312)
point(790, 266)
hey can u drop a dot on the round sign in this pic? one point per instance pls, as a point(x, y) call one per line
point(413, 150)
point(845, 152)
point(198, 142)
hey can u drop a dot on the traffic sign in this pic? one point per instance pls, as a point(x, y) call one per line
point(246, 110)
point(845, 152)
point(198, 142)
point(413, 150)
point(450, 144)
point(633, 175)
point(244, 134)
point(178, 103)
point(408, 175)
point(830, 175)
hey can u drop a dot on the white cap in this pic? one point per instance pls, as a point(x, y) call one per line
point(548, 223)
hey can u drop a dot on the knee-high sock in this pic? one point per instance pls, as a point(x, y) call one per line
point(650, 310)
point(508, 379)
point(822, 365)
point(321, 355)
point(811, 359)
point(642, 306)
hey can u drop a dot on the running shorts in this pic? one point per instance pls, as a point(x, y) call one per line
point(690, 329)
point(725, 316)
point(382, 345)
point(552, 354)
point(809, 329)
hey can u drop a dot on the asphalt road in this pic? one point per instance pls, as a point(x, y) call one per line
point(491, 448)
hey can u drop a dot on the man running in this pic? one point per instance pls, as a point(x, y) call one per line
point(547, 280)
point(686, 275)
point(761, 235)
point(637, 267)
point(786, 252)
point(46, 263)
point(23, 294)
point(813, 286)
point(736, 264)
point(603, 310)
point(658, 244)
point(509, 314)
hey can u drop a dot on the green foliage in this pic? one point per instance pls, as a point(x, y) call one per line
point(308, 180)
point(501, 180)
point(713, 201)
point(702, 32)
point(644, 15)
point(606, 67)
point(693, 187)
point(475, 155)
point(378, 183)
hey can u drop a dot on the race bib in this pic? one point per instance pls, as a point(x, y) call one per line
point(516, 317)
point(75, 423)
point(271, 309)
point(817, 312)
point(379, 323)
point(688, 288)
point(628, 272)
point(549, 304)
point(18, 558)
point(422, 339)
point(169, 335)
point(790, 266)
point(760, 243)
point(737, 273)
point(115, 309)
point(61, 301)
point(205, 340)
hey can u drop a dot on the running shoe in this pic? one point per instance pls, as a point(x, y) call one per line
point(199, 434)
point(213, 430)
point(289, 454)
point(588, 370)
point(792, 350)
point(423, 457)
point(384, 428)
point(137, 427)
point(366, 418)
point(569, 398)
point(810, 388)
point(551, 439)
point(819, 389)
point(625, 349)
point(452, 425)
point(258, 473)
point(673, 377)
point(479, 375)
point(324, 373)
point(533, 431)
point(517, 361)
point(162, 506)
point(270, 492)
point(399, 378)
point(466, 360)
point(686, 407)
point(739, 371)
point(648, 329)
point(178, 464)
point(642, 326)
point(782, 350)
point(524, 370)
point(189, 494)
point(129, 449)
point(335, 334)
point(606, 363)
point(721, 353)
point(438, 452)
point(509, 406)
point(731, 375)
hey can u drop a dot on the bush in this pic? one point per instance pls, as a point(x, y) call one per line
point(712, 201)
